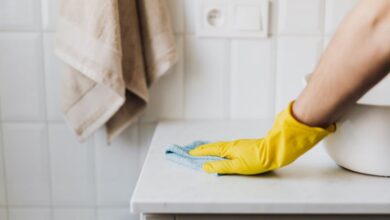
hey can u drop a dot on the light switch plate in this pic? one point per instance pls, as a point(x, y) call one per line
point(232, 18)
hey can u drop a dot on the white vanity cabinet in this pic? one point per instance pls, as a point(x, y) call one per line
point(313, 187)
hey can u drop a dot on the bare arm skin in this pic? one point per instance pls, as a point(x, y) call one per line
point(357, 58)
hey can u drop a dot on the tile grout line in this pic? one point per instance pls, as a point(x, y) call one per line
point(183, 75)
point(229, 59)
point(181, 34)
point(323, 15)
point(270, 33)
point(46, 122)
point(272, 38)
point(176, 33)
point(3, 163)
point(275, 15)
point(139, 152)
point(95, 173)
point(274, 58)
point(139, 124)
point(17, 121)
point(45, 89)
point(2, 150)
point(184, 63)
point(185, 35)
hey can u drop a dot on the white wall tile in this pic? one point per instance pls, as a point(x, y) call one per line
point(52, 79)
point(252, 87)
point(117, 167)
point(190, 16)
point(176, 8)
point(166, 95)
point(49, 14)
point(74, 214)
point(26, 163)
point(3, 214)
point(21, 77)
point(117, 214)
point(72, 167)
point(300, 16)
point(207, 77)
point(2, 174)
point(335, 12)
point(296, 57)
point(29, 214)
point(19, 15)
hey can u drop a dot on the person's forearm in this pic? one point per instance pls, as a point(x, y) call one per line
point(357, 58)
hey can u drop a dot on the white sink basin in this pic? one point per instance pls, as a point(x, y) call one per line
point(362, 140)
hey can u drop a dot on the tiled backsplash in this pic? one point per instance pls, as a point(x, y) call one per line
point(46, 174)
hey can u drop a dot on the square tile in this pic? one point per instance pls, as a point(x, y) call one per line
point(335, 11)
point(21, 77)
point(53, 68)
point(300, 16)
point(176, 8)
point(190, 7)
point(26, 163)
point(29, 214)
point(72, 167)
point(74, 214)
point(207, 78)
point(296, 57)
point(166, 95)
point(19, 15)
point(117, 167)
point(252, 79)
point(50, 9)
point(3, 200)
point(117, 214)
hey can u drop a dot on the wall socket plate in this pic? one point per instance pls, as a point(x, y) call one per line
point(232, 18)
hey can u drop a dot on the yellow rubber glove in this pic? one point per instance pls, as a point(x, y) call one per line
point(286, 141)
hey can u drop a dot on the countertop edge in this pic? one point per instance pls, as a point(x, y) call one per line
point(279, 208)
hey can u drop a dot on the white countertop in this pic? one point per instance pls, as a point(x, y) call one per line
point(313, 184)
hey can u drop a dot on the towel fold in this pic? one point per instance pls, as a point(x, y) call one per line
point(113, 50)
point(180, 155)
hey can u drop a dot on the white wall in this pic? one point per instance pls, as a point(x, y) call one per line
point(46, 174)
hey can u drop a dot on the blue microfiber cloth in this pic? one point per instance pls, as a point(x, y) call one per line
point(180, 155)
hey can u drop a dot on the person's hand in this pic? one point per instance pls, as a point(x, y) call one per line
point(286, 141)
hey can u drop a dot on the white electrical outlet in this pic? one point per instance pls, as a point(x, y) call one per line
point(232, 18)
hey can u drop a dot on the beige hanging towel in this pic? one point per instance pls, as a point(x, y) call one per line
point(113, 51)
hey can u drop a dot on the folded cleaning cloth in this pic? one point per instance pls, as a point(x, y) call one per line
point(113, 50)
point(180, 155)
